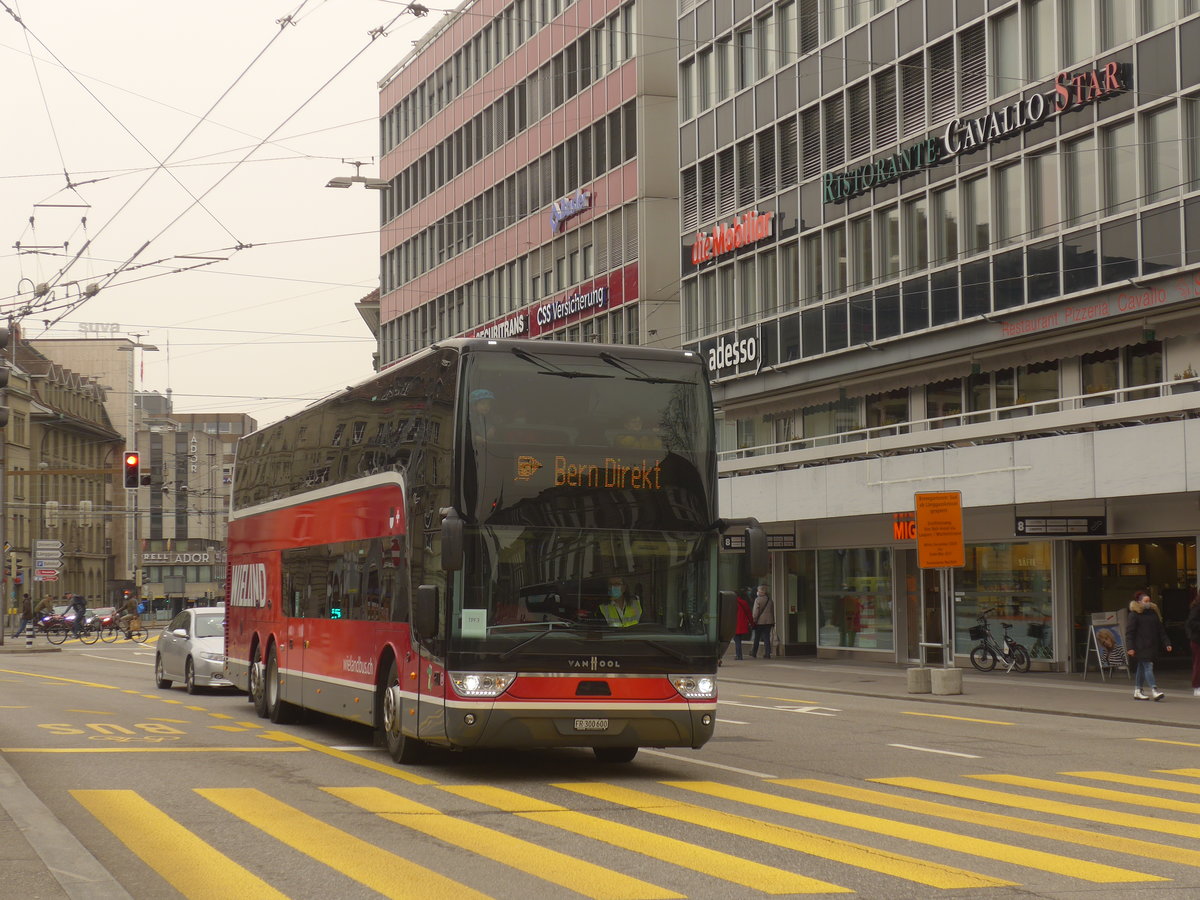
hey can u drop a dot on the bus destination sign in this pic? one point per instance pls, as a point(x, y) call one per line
point(614, 473)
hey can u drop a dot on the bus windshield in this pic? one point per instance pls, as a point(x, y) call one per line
point(569, 584)
point(621, 441)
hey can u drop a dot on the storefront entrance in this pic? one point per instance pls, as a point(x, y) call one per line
point(922, 607)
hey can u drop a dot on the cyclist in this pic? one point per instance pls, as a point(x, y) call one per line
point(129, 617)
point(79, 606)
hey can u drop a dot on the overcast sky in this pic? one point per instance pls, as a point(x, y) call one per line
point(105, 91)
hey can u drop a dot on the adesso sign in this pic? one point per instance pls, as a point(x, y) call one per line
point(736, 353)
point(1070, 91)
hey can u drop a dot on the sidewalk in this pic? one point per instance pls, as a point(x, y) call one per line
point(1037, 692)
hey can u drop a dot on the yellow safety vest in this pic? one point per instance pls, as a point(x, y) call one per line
point(631, 614)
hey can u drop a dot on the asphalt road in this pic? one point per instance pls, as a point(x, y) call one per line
point(805, 791)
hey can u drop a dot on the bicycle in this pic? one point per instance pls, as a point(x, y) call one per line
point(136, 631)
point(1037, 631)
point(988, 652)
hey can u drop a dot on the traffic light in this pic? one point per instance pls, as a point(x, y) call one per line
point(5, 371)
point(133, 466)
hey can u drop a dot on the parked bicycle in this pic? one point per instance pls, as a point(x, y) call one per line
point(1037, 631)
point(989, 651)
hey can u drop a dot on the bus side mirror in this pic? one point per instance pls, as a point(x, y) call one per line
point(425, 611)
point(452, 540)
point(727, 617)
point(756, 548)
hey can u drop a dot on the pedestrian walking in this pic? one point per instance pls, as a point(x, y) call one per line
point(745, 616)
point(1193, 632)
point(26, 616)
point(1145, 635)
point(763, 618)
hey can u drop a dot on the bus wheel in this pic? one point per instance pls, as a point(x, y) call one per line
point(278, 711)
point(403, 749)
point(258, 692)
point(615, 754)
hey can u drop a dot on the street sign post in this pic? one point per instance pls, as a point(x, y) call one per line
point(940, 546)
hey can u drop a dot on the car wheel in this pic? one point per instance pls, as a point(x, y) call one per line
point(160, 681)
point(189, 677)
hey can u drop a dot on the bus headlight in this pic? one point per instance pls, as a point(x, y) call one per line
point(696, 687)
point(481, 684)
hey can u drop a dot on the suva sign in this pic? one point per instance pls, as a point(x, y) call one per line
point(1071, 90)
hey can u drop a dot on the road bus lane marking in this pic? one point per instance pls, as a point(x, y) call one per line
point(549, 865)
point(808, 843)
point(190, 865)
point(382, 871)
point(921, 834)
point(1122, 843)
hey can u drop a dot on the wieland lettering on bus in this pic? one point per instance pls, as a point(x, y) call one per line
point(552, 497)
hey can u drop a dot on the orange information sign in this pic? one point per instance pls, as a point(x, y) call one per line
point(940, 530)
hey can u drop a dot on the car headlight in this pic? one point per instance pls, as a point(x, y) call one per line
point(213, 657)
point(696, 687)
point(481, 684)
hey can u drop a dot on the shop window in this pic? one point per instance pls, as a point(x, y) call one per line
point(1143, 365)
point(854, 598)
point(887, 410)
point(1101, 373)
point(1009, 582)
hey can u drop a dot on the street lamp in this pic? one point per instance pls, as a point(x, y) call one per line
point(345, 181)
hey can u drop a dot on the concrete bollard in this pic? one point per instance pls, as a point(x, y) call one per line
point(947, 681)
point(919, 681)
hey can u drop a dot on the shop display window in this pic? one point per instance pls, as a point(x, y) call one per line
point(854, 598)
point(1011, 583)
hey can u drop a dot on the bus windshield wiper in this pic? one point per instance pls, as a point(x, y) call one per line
point(547, 368)
point(637, 374)
point(550, 626)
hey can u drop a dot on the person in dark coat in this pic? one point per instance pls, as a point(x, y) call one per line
point(1193, 632)
point(1145, 635)
point(745, 617)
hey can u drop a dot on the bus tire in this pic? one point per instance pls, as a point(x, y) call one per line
point(257, 689)
point(403, 749)
point(615, 754)
point(279, 710)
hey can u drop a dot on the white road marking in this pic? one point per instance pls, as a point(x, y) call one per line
point(132, 662)
point(931, 750)
point(704, 762)
point(811, 710)
point(731, 722)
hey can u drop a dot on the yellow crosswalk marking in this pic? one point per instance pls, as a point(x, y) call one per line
point(188, 864)
point(1029, 827)
point(1092, 792)
point(1159, 784)
point(1187, 773)
point(375, 765)
point(810, 843)
point(387, 873)
point(714, 863)
point(558, 868)
point(1123, 819)
point(1032, 859)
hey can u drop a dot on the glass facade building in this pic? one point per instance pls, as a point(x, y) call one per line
point(949, 245)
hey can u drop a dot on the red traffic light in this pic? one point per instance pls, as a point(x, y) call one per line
point(133, 465)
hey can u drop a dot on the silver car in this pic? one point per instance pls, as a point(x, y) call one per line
point(192, 650)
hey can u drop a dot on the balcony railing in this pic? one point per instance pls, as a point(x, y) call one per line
point(1063, 415)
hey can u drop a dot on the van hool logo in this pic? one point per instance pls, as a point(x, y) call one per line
point(1070, 91)
point(743, 230)
point(593, 663)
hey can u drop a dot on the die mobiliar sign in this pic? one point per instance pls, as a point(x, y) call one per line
point(744, 229)
point(1070, 90)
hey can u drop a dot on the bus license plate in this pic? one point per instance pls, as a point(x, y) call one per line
point(591, 724)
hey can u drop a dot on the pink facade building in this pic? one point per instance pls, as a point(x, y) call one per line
point(530, 149)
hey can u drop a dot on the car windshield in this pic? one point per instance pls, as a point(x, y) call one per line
point(210, 625)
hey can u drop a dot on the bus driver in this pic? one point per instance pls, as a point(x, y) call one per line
point(621, 609)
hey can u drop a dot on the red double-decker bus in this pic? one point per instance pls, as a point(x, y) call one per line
point(493, 544)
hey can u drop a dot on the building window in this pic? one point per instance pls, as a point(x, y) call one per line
point(1101, 372)
point(976, 216)
point(725, 296)
point(1119, 167)
point(1004, 62)
point(687, 90)
point(721, 66)
point(764, 39)
point(1042, 182)
point(768, 287)
point(1009, 221)
point(813, 277)
point(1040, 57)
point(912, 89)
point(708, 303)
point(789, 275)
point(705, 89)
point(1191, 106)
point(943, 400)
point(835, 253)
point(1079, 30)
point(941, 81)
point(861, 247)
point(786, 32)
point(1080, 179)
point(744, 43)
point(916, 234)
point(747, 290)
point(1157, 13)
point(1143, 365)
point(887, 240)
point(1161, 160)
point(945, 224)
point(1116, 22)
